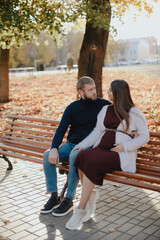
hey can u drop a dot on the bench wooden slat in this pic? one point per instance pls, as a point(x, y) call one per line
point(23, 151)
point(151, 157)
point(53, 122)
point(137, 176)
point(155, 134)
point(152, 142)
point(146, 172)
point(132, 182)
point(11, 154)
point(37, 143)
point(36, 149)
point(149, 149)
point(31, 125)
point(145, 162)
point(150, 169)
point(30, 131)
point(25, 146)
point(25, 136)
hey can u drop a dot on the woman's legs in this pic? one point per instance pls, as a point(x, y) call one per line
point(86, 206)
point(80, 174)
point(87, 188)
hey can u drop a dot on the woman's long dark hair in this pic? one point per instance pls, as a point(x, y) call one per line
point(122, 100)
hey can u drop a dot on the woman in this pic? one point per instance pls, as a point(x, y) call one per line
point(114, 147)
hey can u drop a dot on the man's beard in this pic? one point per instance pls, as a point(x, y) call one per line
point(90, 99)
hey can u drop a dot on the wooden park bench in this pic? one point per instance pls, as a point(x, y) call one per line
point(21, 69)
point(27, 138)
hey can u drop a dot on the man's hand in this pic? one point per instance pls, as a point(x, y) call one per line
point(53, 156)
point(118, 147)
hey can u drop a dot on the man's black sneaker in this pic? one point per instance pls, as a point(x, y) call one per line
point(52, 203)
point(64, 208)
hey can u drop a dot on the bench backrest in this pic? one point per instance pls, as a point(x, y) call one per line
point(148, 157)
point(30, 134)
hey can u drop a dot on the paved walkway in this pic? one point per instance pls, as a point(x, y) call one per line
point(123, 212)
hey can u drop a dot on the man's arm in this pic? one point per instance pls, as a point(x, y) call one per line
point(59, 134)
point(62, 128)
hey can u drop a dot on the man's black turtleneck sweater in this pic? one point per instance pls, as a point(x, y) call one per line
point(80, 116)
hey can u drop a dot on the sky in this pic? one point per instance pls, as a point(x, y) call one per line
point(143, 27)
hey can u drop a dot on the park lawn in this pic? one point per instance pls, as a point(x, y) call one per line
point(46, 96)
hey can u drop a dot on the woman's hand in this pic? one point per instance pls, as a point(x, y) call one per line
point(77, 148)
point(135, 134)
point(118, 147)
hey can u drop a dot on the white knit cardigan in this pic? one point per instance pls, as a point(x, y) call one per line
point(128, 157)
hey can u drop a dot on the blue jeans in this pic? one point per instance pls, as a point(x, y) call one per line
point(65, 154)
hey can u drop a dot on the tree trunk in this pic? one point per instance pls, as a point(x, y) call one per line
point(4, 75)
point(92, 54)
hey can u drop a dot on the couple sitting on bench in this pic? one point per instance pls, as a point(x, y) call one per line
point(115, 131)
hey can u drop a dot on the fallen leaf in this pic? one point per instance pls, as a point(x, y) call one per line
point(112, 230)
point(113, 198)
point(116, 185)
point(6, 221)
point(131, 204)
point(87, 230)
point(24, 175)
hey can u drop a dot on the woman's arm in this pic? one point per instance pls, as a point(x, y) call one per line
point(97, 132)
point(142, 130)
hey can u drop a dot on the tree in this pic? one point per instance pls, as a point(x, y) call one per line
point(22, 20)
point(94, 44)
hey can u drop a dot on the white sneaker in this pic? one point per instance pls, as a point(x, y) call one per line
point(91, 204)
point(80, 216)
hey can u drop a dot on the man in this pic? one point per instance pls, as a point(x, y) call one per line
point(80, 116)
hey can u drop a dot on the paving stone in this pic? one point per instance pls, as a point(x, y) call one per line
point(22, 227)
point(151, 229)
point(97, 235)
point(30, 237)
point(152, 238)
point(135, 230)
point(19, 236)
point(124, 236)
point(14, 224)
point(35, 228)
point(141, 236)
point(125, 227)
point(122, 220)
point(133, 213)
point(147, 222)
point(112, 236)
point(7, 234)
point(147, 213)
point(157, 222)
point(113, 217)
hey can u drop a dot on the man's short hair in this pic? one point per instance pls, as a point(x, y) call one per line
point(83, 81)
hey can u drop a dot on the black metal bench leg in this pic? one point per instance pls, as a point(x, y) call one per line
point(64, 188)
point(10, 166)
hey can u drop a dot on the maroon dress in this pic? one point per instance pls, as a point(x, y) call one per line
point(98, 161)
